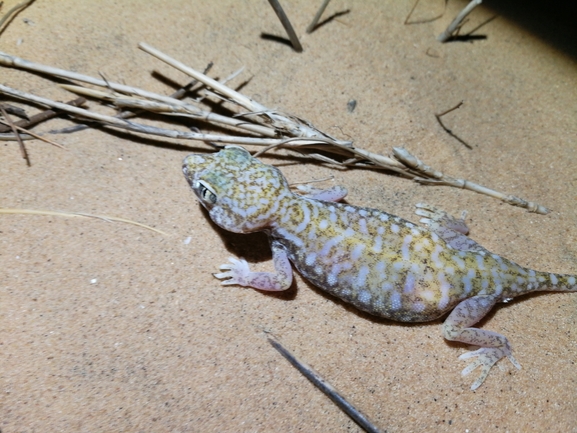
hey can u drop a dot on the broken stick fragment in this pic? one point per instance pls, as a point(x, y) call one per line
point(456, 23)
point(317, 17)
point(317, 380)
point(280, 13)
point(432, 176)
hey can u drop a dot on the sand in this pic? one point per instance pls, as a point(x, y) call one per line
point(111, 327)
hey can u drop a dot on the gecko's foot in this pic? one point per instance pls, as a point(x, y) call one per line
point(237, 272)
point(334, 193)
point(486, 358)
point(452, 230)
point(436, 218)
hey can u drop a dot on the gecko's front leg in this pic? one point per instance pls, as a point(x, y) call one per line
point(238, 272)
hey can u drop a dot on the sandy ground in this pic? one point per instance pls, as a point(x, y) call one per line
point(110, 327)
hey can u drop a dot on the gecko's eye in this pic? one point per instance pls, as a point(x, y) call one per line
point(206, 193)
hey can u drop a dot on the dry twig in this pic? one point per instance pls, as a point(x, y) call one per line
point(13, 12)
point(456, 23)
point(434, 177)
point(265, 127)
point(316, 379)
point(317, 17)
point(77, 214)
point(447, 130)
point(33, 135)
point(41, 117)
point(287, 25)
point(10, 124)
point(426, 20)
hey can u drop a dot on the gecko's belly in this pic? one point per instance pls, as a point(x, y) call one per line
point(409, 294)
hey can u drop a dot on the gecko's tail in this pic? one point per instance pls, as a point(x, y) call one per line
point(545, 281)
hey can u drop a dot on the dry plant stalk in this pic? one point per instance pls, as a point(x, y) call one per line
point(280, 13)
point(77, 214)
point(13, 12)
point(457, 22)
point(317, 380)
point(12, 126)
point(254, 124)
point(317, 16)
point(426, 20)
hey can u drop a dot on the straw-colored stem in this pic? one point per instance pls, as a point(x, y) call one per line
point(172, 107)
point(458, 20)
point(77, 214)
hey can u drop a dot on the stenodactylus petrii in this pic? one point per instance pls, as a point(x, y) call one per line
point(380, 263)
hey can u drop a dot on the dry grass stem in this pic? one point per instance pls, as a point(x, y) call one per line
point(4, 136)
point(435, 177)
point(447, 130)
point(77, 214)
point(426, 20)
point(13, 12)
point(317, 17)
point(285, 124)
point(32, 135)
point(174, 107)
point(27, 123)
point(254, 124)
point(456, 23)
point(280, 13)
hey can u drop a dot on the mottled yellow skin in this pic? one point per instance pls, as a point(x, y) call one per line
point(378, 262)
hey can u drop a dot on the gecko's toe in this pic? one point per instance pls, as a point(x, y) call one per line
point(487, 357)
point(235, 272)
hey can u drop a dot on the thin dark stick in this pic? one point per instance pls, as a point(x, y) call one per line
point(17, 111)
point(317, 17)
point(450, 109)
point(287, 25)
point(17, 135)
point(484, 23)
point(326, 388)
point(428, 20)
point(41, 117)
point(447, 130)
point(25, 134)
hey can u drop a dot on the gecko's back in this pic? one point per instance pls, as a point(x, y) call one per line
point(382, 263)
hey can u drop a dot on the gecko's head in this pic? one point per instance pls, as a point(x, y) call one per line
point(240, 192)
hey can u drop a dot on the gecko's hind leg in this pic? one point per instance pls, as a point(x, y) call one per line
point(492, 346)
point(452, 230)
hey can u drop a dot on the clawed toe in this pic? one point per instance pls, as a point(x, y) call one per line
point(235, 272)
point(486, 358)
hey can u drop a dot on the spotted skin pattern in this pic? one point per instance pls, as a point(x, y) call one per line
point(380, 263)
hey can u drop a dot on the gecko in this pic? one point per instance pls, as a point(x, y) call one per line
point(378, 262)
